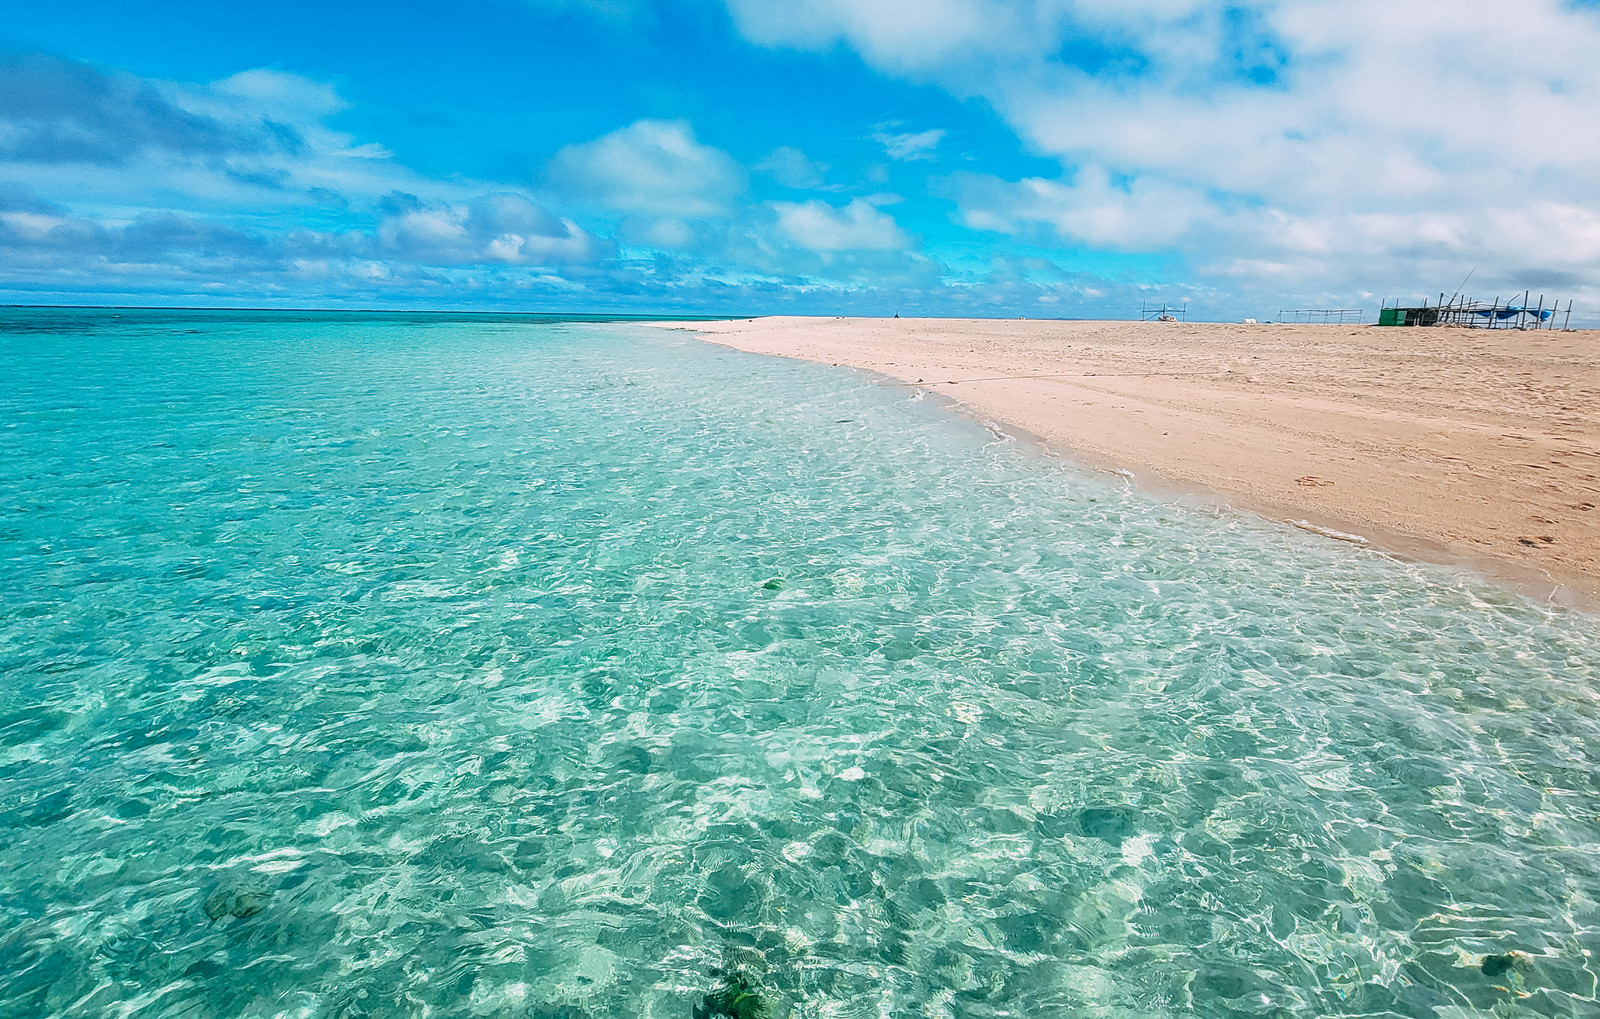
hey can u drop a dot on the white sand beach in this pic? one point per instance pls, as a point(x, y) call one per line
point(1479, 447)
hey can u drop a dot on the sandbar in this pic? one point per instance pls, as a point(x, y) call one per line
point(1475, 447)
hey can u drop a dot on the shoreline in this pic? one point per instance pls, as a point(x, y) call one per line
point(1478, 450)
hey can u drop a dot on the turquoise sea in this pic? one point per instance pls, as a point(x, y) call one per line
point(389, 665)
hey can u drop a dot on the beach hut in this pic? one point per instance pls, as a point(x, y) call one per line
point(1423, 316)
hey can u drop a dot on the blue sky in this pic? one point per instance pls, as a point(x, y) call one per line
point(1040, 158)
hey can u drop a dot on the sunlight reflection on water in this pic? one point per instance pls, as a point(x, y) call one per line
point(364, 666)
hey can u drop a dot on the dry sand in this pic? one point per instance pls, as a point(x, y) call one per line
point(1476, 447)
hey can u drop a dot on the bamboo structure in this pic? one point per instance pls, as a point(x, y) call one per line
point(1322, 315)
point(1463, 312)
point(1151, 313)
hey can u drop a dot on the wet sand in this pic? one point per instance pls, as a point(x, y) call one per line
point(1474, 447)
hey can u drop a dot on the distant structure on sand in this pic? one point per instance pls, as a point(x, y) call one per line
point(1150, 313)
point(1323, 315)
point(1463, 312)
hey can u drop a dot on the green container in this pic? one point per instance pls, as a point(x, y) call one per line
point(1389, 317)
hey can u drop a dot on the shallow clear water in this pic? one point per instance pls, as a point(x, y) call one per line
point(357, 665)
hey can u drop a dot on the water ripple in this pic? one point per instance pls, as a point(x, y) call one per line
point(386, 667)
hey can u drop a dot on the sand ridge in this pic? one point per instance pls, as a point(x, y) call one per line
point(1472, 445)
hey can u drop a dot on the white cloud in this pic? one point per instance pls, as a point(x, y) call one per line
point(669, 232)
point(256, 140)
point(1090, 209)
point(909, 146)
point(651, 167)
point(240, 190)
point(792, 168)
point(503, 227)
point(900, 35)
point(1354, 140)
point(278, 94)
point(33, 226)
point(109, 180)
point(818, 226)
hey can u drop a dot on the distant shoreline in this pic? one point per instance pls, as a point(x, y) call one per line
point(1475, 448)
point(557, 316)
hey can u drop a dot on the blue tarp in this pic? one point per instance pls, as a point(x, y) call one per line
point(1510, 312)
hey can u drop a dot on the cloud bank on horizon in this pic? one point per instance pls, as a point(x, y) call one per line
point(985, 157)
